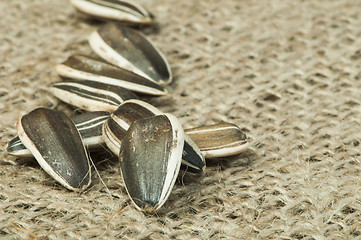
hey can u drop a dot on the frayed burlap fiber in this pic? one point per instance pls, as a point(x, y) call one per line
point(288, 73)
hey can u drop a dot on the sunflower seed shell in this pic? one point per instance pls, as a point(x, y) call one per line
point(150, 159)
point(120, 121)
point(127, 12)
point(130, 49)
point(89, 125)
point(16, 148)
point(56, 144)
point(91, 96)
point(116, 126)
point(86, 68)
point(192, 159)
point(219, 140)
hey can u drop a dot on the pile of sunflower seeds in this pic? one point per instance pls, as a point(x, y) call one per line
point(151, 145)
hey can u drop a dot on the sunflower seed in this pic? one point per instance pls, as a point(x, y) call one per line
point(56, 144)
point(127, 12)
point(87, 68)
point(120, 120)
point(117, 125)
point(16, 147)
point(91, 96)
point(219, 140)
point(131, 50)
point(192, 158)
point(150, 159)
point(89, 125)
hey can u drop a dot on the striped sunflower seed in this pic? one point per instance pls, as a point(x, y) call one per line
point(16, 148)
point(87, 68)
point(115, 128)
point(127, 12)
point(56, 144)
point(131, 50)
point(219, 140)
point(90, 95)
point(89, 125)
point(150, 159)
point(118, 123)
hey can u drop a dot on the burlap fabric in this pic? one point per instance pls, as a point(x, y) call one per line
point(286, 72)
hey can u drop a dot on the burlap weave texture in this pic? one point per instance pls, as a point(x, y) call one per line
point(286, 72)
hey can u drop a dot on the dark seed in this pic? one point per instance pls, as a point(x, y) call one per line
point(56, 144)
point(150, 159)
point(131, 50)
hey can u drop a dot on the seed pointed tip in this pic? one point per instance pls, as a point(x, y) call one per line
point(164, 92)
